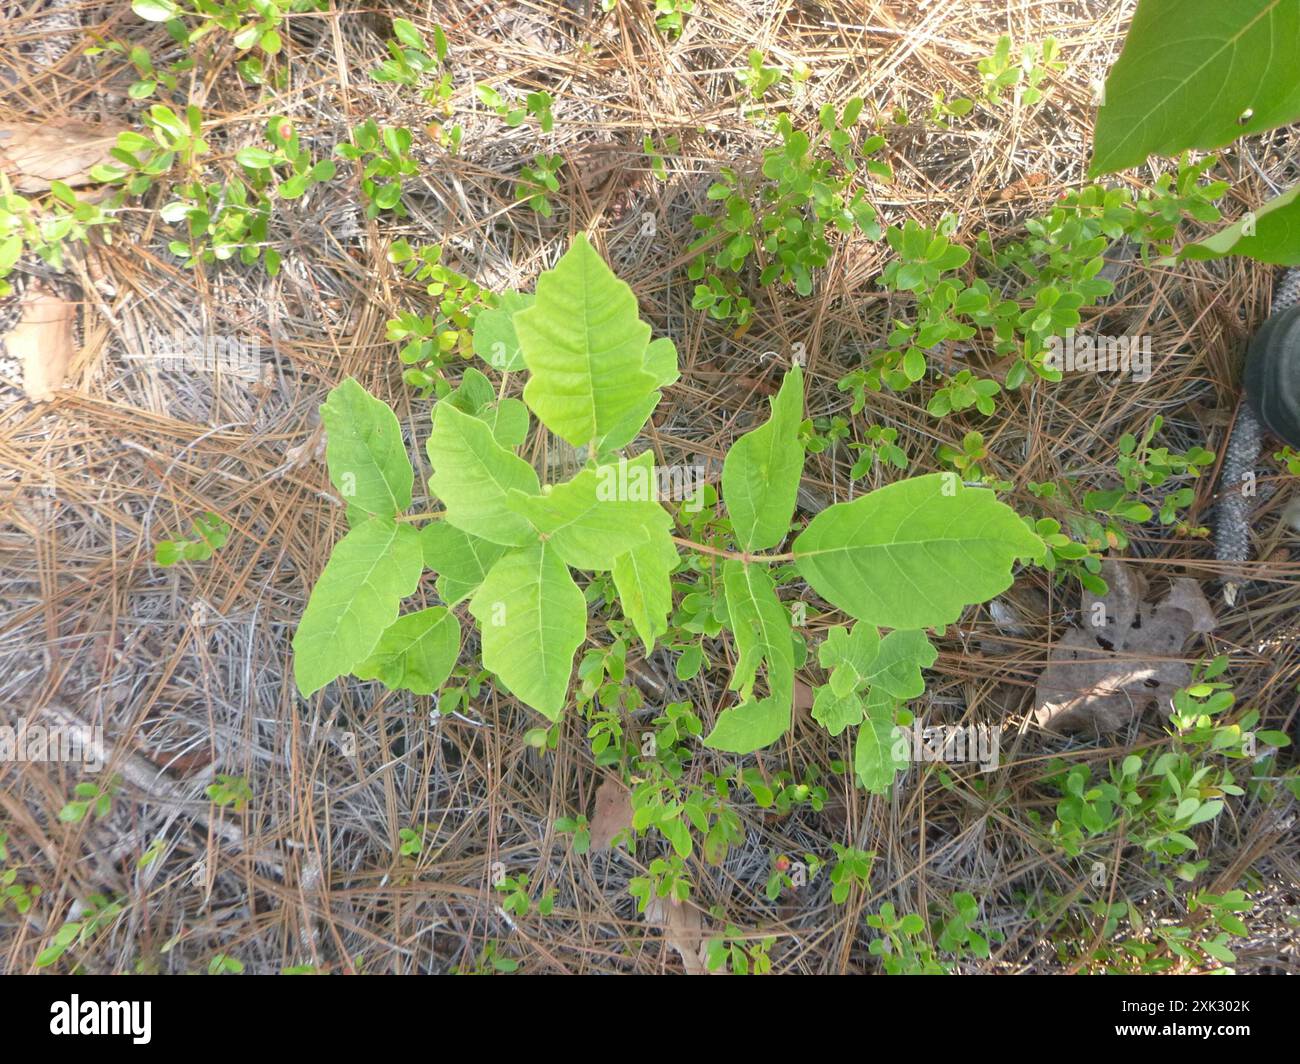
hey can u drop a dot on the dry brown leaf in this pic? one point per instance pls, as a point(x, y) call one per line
point(1018, 188)
point(1105, 674)
point(312, 449)
point(683, 927)
point(613, 813)
point(42, 342)
point(34, 154)
point(804, 696)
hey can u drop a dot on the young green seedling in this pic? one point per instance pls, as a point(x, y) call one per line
point(907, 557)
point(210, 534)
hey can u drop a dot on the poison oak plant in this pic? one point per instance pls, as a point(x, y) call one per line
point(907, 557)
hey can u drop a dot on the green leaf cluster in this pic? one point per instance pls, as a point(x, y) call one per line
point(906, 557)
point(808, 193)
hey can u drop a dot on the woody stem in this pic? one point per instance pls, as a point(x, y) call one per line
point(740, 556)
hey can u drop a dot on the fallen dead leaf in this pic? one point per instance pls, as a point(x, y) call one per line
point(1105, 674)
point(1018, 188)
point(613, 813)
point(1018, 613)
point(312, 449)
point(35, 154)
point(42, 342)
point(803, 697)
point(683, 927)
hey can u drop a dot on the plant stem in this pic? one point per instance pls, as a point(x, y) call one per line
point(740, 556)
point(703, 548)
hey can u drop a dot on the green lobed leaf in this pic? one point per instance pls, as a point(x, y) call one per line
point(865, 666)
point(660, 363)
point(642, 578)
point(474, 476)
point(836, 712)
point(1190, 71)
point(169, 551)
point(896, 669)
point(763, 634)
point(357, 597)
point(598, 515)
point(495, 339)
point(416, 652)
point(915, 553)
point(368, 463)
point(753, 725)
point(1271, 234)
point(760, 476)
point(508, 420)
point(759, 622)
point(473, 394)
point(461, 561)
point(476, 396)
point(585, 348)
point(532, 618)
point(877, 755)
point(849, 656)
